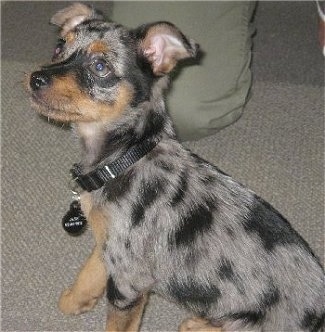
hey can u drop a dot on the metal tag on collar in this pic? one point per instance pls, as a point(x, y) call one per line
point(74, 222)
point(75, 189)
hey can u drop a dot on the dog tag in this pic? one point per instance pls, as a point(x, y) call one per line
point(74, 222)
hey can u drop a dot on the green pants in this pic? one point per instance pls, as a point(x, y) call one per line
point(211, 95)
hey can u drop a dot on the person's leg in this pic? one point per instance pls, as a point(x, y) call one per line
point(209, 96)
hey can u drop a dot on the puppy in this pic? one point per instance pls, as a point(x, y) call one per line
point(164, 219)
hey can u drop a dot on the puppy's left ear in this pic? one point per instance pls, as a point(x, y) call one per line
point(68, 18)
point(163, 45)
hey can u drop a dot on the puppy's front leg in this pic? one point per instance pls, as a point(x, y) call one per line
point(88, 287)
point(126, 320)
point(91, 281)
point(197, 324)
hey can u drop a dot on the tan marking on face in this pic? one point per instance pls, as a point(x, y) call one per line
point(98, 47)
point(65, 101)
point(70, 37)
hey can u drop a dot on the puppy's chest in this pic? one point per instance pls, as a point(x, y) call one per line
point(124, 237)
point(129, 251)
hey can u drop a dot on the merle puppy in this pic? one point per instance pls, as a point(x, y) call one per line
point(164, 219)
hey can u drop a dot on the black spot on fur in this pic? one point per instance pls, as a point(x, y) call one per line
point(115, 190)
point(196, 222)
point(113, 260)
point(181, 190)
point(128, 244)
point(154, 154)
point(230, 232)
point(312, 321)
point(97, 29)
point(116, 140)
point(137, 214)
point(192, 258)
point(193, 294)
point(155, 123)
point(270, 226)
point(226, 270)
point(164, 166)
point(248, 317)
point(208, 179)
point(270, 297)
point(148, 194)
point(141, 83)
point(113, 294)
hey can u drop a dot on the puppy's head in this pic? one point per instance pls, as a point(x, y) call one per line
point(100, 68)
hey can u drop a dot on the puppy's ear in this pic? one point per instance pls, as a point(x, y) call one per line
point(69, 17)
point(163, 45)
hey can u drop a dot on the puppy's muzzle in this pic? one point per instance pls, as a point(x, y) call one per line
point(39, 80)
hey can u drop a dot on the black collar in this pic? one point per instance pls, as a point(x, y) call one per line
point(98, 177)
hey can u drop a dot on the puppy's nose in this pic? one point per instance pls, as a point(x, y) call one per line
point(39, 80)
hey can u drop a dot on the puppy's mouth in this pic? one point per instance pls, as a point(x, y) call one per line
point(56, 110)
point(53, 97)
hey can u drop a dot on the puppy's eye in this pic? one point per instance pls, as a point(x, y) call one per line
point(100, 68)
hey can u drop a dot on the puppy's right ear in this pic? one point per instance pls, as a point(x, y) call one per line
point(69, 17)
point(163, 45)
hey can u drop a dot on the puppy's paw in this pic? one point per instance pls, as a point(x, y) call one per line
point(72, 304)
point(198, 324)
